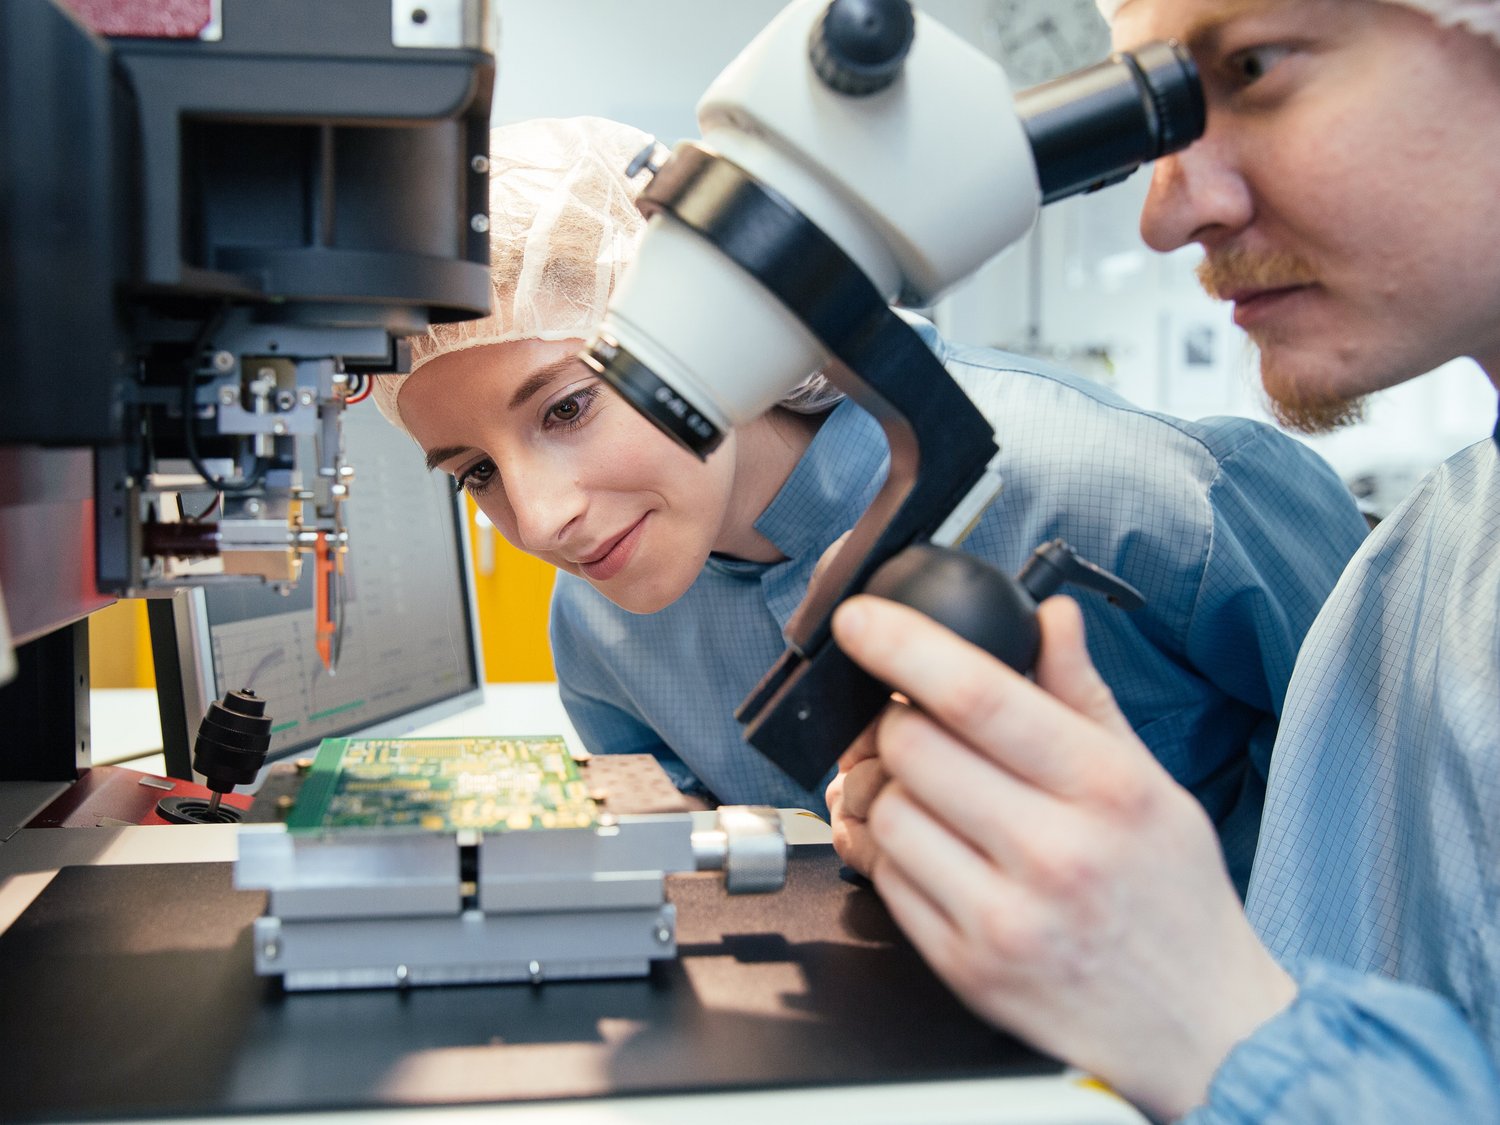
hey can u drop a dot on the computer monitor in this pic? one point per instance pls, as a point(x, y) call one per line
point(410, 649)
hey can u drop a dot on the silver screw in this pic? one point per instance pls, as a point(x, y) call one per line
point(479, 223)
point(535, 969)
point(663, 934)
point(402, 973)
point(305, 398)
point(223, 361)
point(480, 163)
point(278, 427)
point(227, 395)
point(253, 507)
point(271, 950)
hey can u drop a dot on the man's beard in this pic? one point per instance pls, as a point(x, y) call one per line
point(1309, 410)
point(1293, 400)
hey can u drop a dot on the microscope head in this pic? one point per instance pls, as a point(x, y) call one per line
point(903, 145)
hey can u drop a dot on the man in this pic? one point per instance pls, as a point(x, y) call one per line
point(1345, 196)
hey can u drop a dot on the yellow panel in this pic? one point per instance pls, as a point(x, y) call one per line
point(120, 646)
point(514, 602)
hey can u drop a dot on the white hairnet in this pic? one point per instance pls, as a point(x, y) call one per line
point(563, 224)
point(563, 227)
point(1482, 17)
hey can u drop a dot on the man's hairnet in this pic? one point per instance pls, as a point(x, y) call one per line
point(1482, 17)
point(563, 227)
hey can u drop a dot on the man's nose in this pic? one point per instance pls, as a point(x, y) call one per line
point(1196, 195)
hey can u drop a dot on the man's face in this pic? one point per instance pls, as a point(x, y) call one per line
point(1344, 191)
point(568, 471)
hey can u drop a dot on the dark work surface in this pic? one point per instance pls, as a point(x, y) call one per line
point(128, 990)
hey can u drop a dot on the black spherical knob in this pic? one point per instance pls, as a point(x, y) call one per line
point(966, 594)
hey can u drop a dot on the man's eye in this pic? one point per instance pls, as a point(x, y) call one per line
point(1254, 63)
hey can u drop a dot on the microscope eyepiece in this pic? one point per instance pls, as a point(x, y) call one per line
point(1167, 72)
point(1096, 126)
point(668, 410)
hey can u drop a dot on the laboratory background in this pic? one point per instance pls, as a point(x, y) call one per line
point(433, 867)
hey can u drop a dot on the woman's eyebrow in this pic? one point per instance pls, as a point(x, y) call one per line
point(441, 454)
point(536, 381)
point(541, 377)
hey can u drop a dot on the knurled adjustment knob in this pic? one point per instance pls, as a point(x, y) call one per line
point(859, 46)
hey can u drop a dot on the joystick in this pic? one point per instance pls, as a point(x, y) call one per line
point(231, 747)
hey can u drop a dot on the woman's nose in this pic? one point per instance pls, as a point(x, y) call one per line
point(546, 498)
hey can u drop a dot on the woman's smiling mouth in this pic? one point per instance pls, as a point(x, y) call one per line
point(615, 556)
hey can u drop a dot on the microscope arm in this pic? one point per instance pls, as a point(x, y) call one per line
point(814, 701)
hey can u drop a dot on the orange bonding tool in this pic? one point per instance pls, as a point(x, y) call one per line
point(328, 569)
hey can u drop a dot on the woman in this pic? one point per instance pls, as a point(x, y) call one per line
point(678, 575)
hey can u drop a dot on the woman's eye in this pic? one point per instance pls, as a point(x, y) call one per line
point(569, 412)
point(475, 479)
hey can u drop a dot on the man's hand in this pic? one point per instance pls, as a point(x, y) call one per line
point(853, 790)
point(1046, 866)
point(859, 779)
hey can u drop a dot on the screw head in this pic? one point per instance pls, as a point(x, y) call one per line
point(480, 163)
point(227, 395)
point(479, 224)
point(223, 361)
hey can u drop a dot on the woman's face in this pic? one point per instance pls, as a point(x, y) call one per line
point(568, 471)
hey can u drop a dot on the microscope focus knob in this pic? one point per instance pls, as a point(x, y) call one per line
point(859, 46)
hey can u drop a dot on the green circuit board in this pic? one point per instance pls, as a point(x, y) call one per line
point(442, 785)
